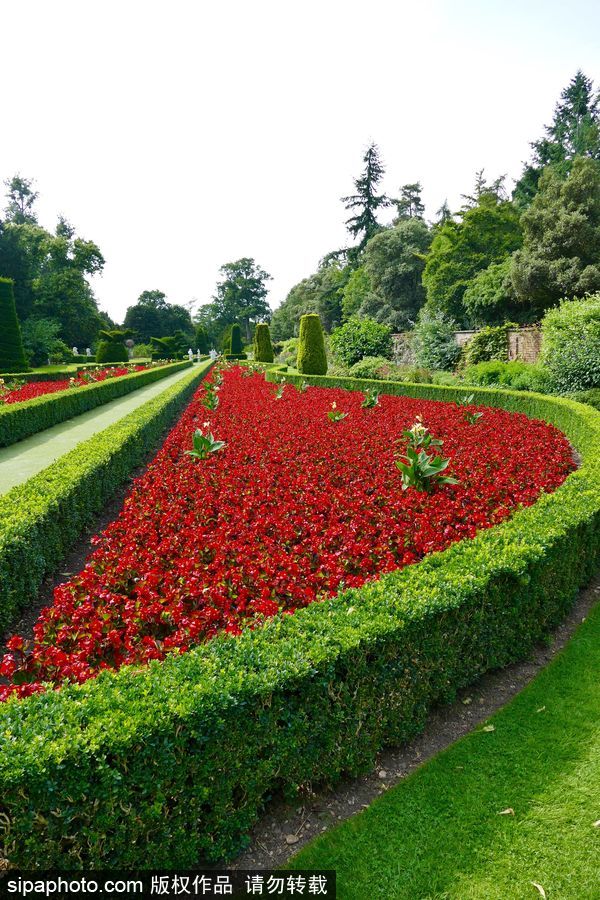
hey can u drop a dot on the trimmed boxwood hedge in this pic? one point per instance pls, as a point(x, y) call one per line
point(43, 517)
point(169, 764)
point(21, 420)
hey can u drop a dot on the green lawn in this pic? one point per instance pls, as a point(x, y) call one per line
point(440, 834)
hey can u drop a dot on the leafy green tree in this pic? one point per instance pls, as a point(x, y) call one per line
point(51, 273)
point(409, 205)
point(241, 295)
point(21, 198)
point(574, 132)
point(366, 202)
point(394, 261)
point(483, 234)
point(41, 340)
point(321, 293)
point(358, 338)
point(490, 297)
point(356, 292)
point(12, 354)
point(153, 316)
point(433, 341)
point(571, 344)
point(560, 257)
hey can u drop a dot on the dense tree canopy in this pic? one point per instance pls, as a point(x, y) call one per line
point(51, 271)
point(484, 233)
point(241, 296)
point(394, 261)
point(560, 256)
point(322, 293)
point(152, 316)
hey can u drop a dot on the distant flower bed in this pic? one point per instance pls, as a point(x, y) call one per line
point(16, 392)
point(265, 499)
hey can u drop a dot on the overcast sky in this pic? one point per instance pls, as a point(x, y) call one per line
point(183, 135)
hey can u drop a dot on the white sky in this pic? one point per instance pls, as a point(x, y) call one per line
point(183, 135)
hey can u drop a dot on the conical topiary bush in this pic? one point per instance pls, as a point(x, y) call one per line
point(12, 355)
point(263, 349)
point(312, 359)
point(236, 339)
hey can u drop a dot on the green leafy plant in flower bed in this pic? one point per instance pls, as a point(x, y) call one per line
point(172, 763)
point(21, 420)
point(42, 518)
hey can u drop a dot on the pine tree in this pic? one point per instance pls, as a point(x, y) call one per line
point(12, 355)
point(366, 201)
point(409, 204)
point(575, 131)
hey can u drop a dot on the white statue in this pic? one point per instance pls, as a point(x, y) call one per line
point(198, 355)
point(191, 355)
point(75, 351)
point(213, 354)
point(88, 351)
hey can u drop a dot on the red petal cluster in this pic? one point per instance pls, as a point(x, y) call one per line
point(39, 388)
point(294, 508)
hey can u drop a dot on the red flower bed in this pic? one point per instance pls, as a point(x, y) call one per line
point(294, 508)
point(38, 388)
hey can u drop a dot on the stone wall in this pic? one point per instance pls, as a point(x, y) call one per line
point(523, 344)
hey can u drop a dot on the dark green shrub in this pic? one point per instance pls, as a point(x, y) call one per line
point(236, 340)
point(312, 359)
point(433, 341)
point(12, 354)
point(202, 340)
point(489, 343)
point(263, 350)
point(571, 344)
point(236, 356)
point(111, 348)
point(516, 375)
point(360, 338)
point(377, 367)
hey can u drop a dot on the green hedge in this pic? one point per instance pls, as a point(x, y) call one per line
point(170, 764)
point(43, 517)
point(54, 373)
point(21, 420)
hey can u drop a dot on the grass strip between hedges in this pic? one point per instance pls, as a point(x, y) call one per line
point(42, 518)
point(21, 420)
point(447, 831)
point(169, 764)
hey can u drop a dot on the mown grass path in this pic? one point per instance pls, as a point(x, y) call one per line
point(510, 811)
point(22, 460)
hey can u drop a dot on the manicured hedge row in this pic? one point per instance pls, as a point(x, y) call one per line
point(170, 764)
point(55, 373)
point(42, 518)
point(20, 420)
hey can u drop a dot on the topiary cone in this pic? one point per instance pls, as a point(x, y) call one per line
point(236, 339)
point(12, 355)
point(263, 349)
point(312, 359)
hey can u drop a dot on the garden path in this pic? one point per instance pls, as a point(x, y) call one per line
point(21, 461)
